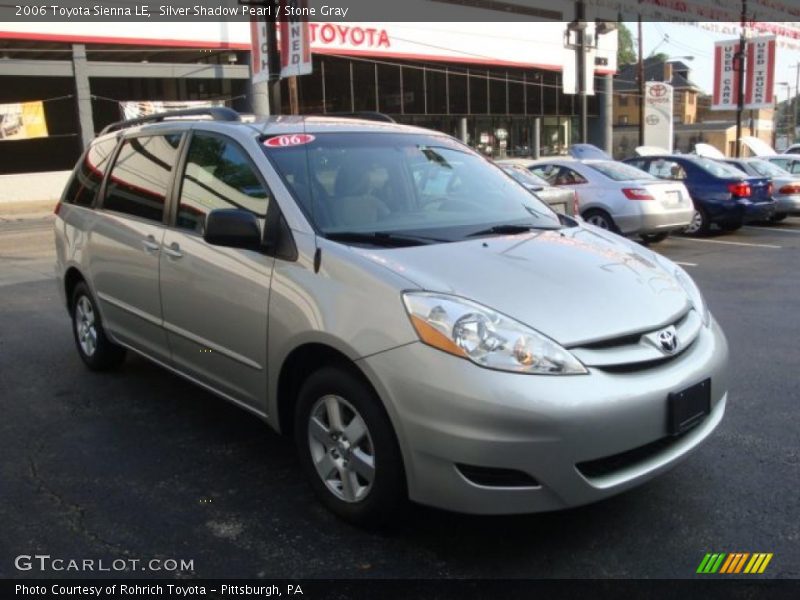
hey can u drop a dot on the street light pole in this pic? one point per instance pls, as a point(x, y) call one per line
point(640, 77)
point(740, 71)
point(794, 100)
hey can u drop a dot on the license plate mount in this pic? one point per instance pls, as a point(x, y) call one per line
point(685, 409)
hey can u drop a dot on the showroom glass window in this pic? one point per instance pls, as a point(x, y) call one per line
point(218, 174)
point(140, 177)
point(83, 187)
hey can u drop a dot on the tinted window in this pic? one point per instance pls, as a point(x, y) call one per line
point(140, 177)
point(89, 174)
point(218, 175)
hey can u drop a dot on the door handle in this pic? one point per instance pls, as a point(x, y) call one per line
point(150, 245)
point(173, 250)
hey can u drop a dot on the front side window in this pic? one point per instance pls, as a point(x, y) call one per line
point(402, 183)
point(218, 174)
point(89, 175)
point(141, 176)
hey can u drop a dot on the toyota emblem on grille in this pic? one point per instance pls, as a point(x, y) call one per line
point(667, 340)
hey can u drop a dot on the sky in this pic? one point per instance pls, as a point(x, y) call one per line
point(689, 40)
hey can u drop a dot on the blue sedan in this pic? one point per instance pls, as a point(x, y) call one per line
point(722, 194)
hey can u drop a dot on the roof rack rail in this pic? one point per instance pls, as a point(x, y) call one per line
point(368, 115)
point(217, 113)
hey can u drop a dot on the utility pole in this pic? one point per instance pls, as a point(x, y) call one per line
point(794, 100)
point(740, 71)
point(274, 57)
point(640, 77)
point(580, 18)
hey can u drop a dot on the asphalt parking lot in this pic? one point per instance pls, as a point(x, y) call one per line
point(140, 464)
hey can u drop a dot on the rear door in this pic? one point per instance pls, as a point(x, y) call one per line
point(124, 243)
point(214, 298)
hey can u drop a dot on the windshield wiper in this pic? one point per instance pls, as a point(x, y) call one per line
point(381, 238)
point(509, 229)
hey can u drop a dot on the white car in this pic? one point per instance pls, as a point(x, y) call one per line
point(619, 197)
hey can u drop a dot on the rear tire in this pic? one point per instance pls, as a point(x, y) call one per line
point(348, 448)
point(700, 223)
point(600, 218)
point(653, 238)
point(95, 349)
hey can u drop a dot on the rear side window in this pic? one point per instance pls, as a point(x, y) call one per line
point(218, 175)
point(140, 176)
point(89, 174)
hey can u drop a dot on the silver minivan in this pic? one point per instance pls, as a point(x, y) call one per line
point(424, 327)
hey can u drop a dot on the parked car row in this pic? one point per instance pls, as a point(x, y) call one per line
point(632, 197)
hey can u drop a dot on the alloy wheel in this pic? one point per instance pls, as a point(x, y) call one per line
point(85, 326)
point(341, 448)
point(696, 224)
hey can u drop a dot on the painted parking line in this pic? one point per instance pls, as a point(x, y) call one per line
point(689, 239)
point(772, 229)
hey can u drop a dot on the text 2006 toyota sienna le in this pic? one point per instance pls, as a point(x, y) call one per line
point(421, 324)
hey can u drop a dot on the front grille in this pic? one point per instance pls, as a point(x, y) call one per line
point(601, 467)
point(638, 351)
point(494, 477)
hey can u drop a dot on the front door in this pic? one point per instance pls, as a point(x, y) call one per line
point(215, 299)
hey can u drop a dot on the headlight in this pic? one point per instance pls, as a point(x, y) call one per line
point(695, 297)
point(486, 337)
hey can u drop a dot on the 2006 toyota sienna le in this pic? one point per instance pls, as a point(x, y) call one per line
point(423, 326)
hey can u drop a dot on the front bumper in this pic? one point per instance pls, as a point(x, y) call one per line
point(448, 411)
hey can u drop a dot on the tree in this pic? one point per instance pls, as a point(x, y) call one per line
point(626, 55)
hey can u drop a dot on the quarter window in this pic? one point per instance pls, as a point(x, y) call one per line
point(140, 177)
point(218, 175)
point(88, 176)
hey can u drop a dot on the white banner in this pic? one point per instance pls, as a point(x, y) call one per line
point(760, 82)
point(658, 100)
point(132, 109)
point(725, 95)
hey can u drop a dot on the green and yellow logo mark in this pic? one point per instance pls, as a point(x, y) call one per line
point(734, 562)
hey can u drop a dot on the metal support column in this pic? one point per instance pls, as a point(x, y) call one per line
point(83, 94)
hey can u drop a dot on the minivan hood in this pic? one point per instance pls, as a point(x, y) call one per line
point(575, 285)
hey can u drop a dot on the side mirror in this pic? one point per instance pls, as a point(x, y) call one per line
point(233, 228)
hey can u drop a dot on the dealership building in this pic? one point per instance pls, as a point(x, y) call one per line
point(497, 85)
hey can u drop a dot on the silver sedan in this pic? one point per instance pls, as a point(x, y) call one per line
point(620, 198)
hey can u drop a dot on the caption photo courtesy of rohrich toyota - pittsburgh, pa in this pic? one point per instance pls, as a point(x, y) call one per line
point(372, 299)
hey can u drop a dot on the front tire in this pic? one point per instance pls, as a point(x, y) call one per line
point(348, 448)
point(95, 349)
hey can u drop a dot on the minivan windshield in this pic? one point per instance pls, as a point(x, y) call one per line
point(379, 186)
